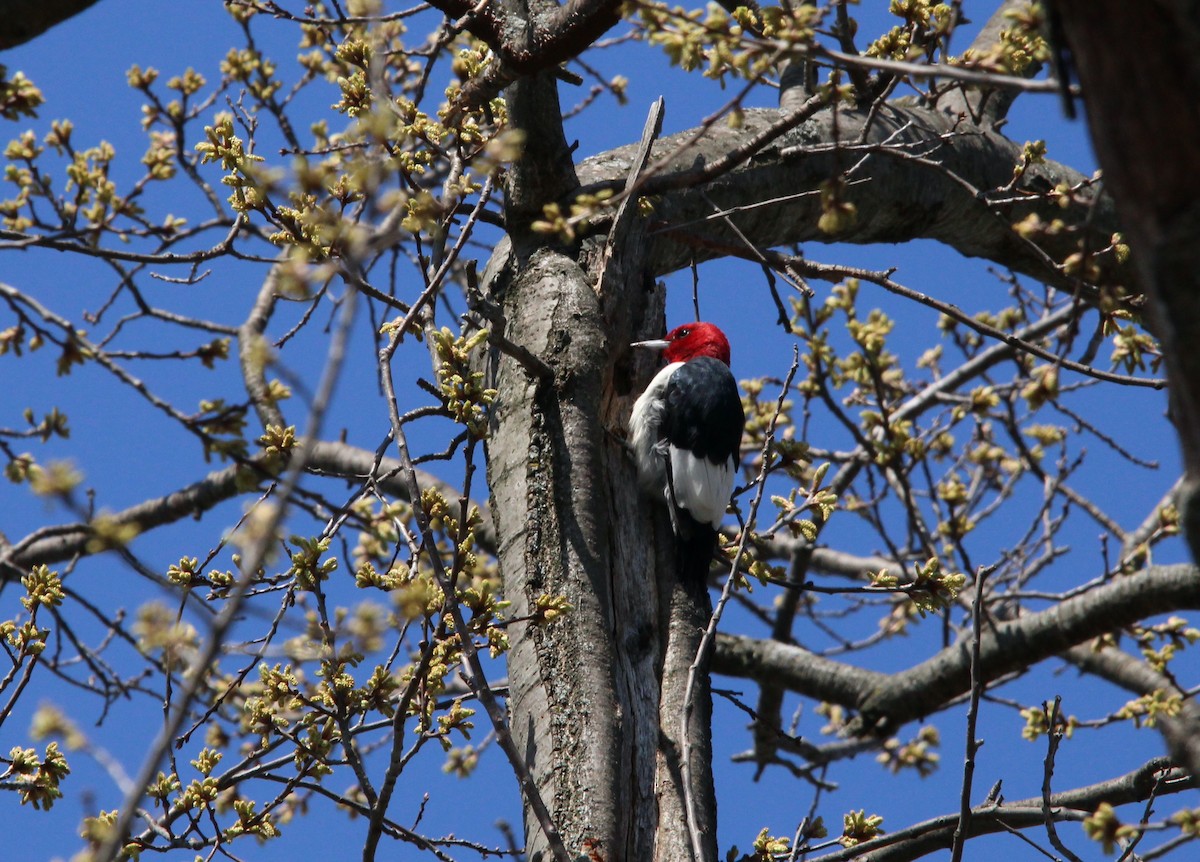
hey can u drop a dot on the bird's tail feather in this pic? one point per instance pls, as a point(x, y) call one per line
point(696, 543)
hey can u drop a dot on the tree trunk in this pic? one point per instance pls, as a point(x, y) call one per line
point(548, 501)
point(1139, 70)
point(597, 697)
point(1139, 67)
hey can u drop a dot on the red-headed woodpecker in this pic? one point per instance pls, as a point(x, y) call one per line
point(686, 432)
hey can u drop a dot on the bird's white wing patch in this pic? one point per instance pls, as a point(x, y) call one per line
point(701, 487)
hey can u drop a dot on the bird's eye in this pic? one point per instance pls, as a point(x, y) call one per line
point(683, 333)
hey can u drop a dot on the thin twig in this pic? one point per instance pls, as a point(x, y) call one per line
point(710, 633)
point(435, 282)
point(1053, 738)
point(961, 832)
point(255, 556)
point(884, 280)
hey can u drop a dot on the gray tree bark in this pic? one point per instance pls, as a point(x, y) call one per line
point(932, 180)
point(596, 695)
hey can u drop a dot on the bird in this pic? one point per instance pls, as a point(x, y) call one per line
point(686, 434)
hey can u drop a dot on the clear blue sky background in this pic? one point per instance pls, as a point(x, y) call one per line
point(128, 453)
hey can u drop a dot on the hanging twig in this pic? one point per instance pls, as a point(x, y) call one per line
point(710, 633)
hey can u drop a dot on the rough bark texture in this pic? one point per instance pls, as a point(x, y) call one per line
point(596, 696)
point(688, 609)
point(548, 501)
point(570, 521)
point(918, 188)
point(545, 172)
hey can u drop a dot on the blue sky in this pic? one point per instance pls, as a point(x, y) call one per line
point(127, 453)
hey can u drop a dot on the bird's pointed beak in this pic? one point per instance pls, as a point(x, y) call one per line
point(656, 344)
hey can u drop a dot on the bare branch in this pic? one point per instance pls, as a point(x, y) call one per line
point(887, 701)
point(1156, 776)
point(972, 743)
point(943, 198)
point(340, 460)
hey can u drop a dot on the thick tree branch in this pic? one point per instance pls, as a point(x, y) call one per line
point(545, 171)
point(339, 460)
point(537, 47)
point(794, 668)
point(986, 105)
point(22, 20)
point(887, 701)
point(547, 478)
point(926, 175)
point(566, 33)
point(1181, 732)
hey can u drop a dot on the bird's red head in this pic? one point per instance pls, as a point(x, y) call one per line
point(696, 339)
